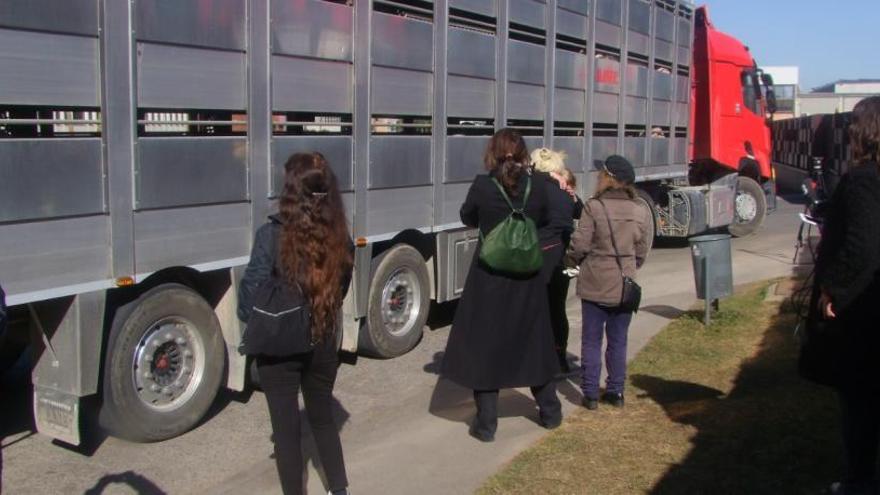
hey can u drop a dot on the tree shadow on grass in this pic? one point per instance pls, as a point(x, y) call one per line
point(773, 433)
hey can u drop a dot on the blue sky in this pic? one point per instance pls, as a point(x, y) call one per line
point(828, 40)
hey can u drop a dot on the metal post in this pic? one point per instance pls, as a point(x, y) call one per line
point(707, 292)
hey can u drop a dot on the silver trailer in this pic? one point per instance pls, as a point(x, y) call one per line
point(141, 145)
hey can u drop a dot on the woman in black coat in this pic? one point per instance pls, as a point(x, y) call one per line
point(848, 283)
point(564, 207)
point(501, 335)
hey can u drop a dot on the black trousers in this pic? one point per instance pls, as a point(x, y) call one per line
point(860, 414)
point(281, 379)
point(557, 293)
point(486, 422)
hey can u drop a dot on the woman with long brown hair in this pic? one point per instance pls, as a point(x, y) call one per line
point(501, 335)
point(308, 243)
point(846, 293)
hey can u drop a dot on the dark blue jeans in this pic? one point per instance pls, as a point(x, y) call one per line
point(599, 321)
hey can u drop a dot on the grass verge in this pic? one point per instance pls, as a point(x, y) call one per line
point(718, 410)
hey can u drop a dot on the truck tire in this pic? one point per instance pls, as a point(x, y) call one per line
point(749, 209)
point(398, 304)
point(648, 201)
point(164, 362)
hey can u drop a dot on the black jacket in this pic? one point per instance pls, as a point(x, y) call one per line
point(848, 265)
point(848, 269)
point(263, 256)
point(562, 211)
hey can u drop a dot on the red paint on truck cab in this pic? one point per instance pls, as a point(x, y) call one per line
point(728, 111)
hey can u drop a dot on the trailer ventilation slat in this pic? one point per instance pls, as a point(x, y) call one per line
point(462, 126)
point(410, 9)
point(571, 44)
point(605, 130)
point(311, 124)
point(401, 125)
point(634, 130)
point(527, 127)
point(685, 12)
point(568, 129)
point(527, 34)
point(22, 121)
point(170, 122)
point(665, 5)
point(472, 21)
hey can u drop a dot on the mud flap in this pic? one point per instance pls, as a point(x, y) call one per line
point(57, 414)
point(770, 191)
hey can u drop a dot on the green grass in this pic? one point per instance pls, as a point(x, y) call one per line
point(717, 410)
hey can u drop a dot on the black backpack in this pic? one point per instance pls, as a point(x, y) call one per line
point(280, 318)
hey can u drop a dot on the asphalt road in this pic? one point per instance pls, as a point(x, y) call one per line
point(403, 429)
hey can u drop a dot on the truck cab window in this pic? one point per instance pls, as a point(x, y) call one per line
point(750, 92)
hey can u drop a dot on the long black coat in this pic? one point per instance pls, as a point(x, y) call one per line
point(848, 269)
point(501, 335)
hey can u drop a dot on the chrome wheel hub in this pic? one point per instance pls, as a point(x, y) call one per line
point(746, 207)
point(169, 362)
point(401, 301)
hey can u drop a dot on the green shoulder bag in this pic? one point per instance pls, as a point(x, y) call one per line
point(512, 246)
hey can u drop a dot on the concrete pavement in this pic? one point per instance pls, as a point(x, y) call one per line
point(402, 450)
point(403, 429)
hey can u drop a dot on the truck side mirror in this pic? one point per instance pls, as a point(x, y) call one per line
point(771, 101)
point(766, 79)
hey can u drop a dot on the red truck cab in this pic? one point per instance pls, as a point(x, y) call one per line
point(730, 129)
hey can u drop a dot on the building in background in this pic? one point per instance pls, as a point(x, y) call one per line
point(837, 97)
point(785, 85)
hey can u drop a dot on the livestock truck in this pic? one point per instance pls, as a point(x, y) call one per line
point(142, 141)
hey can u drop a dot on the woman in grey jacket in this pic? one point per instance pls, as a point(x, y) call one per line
point(600, 283)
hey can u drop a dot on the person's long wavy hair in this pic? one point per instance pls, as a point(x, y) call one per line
point(315, 244)
point(507, 157)
point(864, 131)
point(608, 182)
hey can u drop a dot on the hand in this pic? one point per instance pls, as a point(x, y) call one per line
point(563, 184)
point(825, 306)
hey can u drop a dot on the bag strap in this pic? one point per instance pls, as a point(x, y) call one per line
point(507, 198)
point(611, 230)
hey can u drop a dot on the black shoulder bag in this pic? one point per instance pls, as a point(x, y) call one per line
point(631, 294)
point(280, 320)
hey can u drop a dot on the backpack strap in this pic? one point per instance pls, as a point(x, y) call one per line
point(507, 198)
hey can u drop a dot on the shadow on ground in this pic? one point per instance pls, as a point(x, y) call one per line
point(138, 483)
point(773, 433)
point(453, 402)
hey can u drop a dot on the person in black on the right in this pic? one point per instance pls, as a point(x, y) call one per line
point(848, 283)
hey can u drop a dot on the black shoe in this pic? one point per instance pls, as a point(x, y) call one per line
point(564, 365)
point(481, 435)
point(615, 399)
point(551, 424)
point(591, 404)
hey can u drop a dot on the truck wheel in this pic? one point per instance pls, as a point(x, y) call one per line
point(646, 199)
point(164, 363)
point(750, 207)
point(398, 303)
